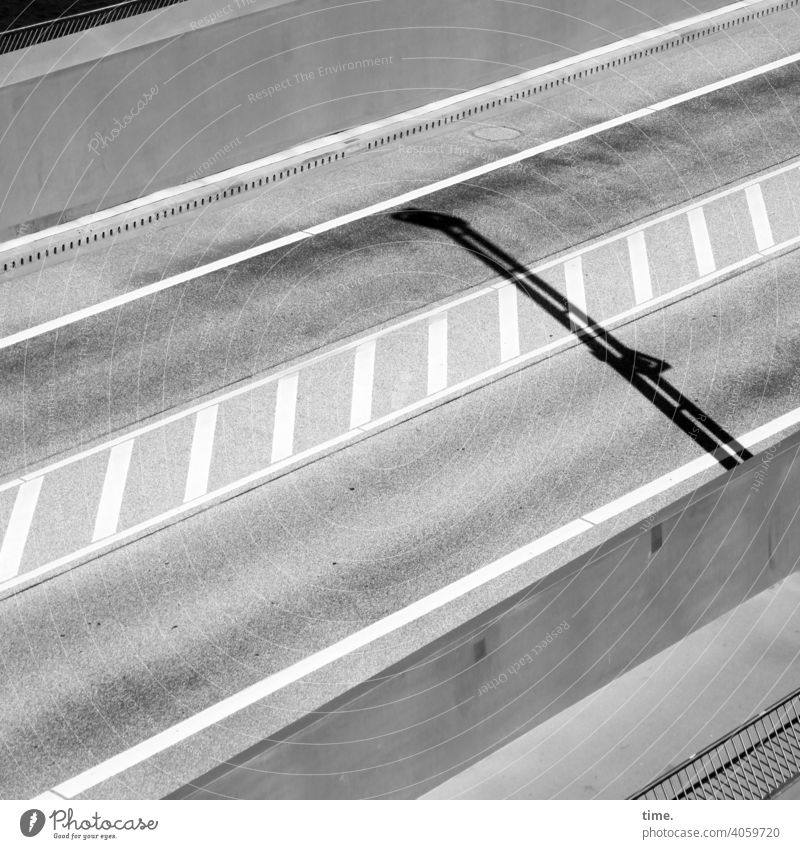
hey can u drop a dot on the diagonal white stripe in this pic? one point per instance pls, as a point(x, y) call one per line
point(285, 409)
point(437, 353)
point(19, 525)
point(205, 425)
point(119, 459)
point(363, 377)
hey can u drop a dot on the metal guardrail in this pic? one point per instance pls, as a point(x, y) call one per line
point(753, 762)
point(22, 37)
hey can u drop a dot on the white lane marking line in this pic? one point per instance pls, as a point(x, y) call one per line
point(10, 484)
point(728, 81)
point(759, 217)
point(576, 294)
point(640, 267)
point(119, 460)
point(509, 322)
point(401, 618)
point(254, 693)
point(479, 171)
point(383, 206)
point(214, 180)
point(205, 425)
point(19, 525)
point(149, 289)
point(701, 241)
point(363, 378)
point(285, 410)
point(437, 353)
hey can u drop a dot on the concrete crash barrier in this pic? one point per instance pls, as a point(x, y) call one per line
point(232, 82)
point(452, 703)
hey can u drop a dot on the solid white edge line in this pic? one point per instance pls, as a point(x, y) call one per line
point(406, 615)
point(374, 209)
point(149, 289)
point(221, 177)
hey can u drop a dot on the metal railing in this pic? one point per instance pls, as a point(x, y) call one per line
point(22, 37)
point(753, 762)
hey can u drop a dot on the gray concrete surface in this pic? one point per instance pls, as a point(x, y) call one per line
point(202, 80)
point(614, 742)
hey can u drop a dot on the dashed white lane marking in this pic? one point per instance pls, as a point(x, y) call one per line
point(205, 425)
point(576, 295)
point(437, 353)
point(759, 217)
point(640, 268)
point(119, 460)
point(509, 322)
point(256, 692)
point(363, 379)
point(285, 409)
point(701, 241)
point(383, 206)
point(19, 526)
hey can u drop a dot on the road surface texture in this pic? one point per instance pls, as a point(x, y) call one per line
point(281, 452)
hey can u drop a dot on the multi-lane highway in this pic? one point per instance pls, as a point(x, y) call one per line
point(206, 484)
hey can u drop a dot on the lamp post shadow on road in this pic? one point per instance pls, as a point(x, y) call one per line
point(644, 373)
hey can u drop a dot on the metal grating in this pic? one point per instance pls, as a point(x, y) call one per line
point(22, 37)
point(753, 762)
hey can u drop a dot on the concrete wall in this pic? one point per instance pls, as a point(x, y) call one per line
point(201, 101)
point(452, 703)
